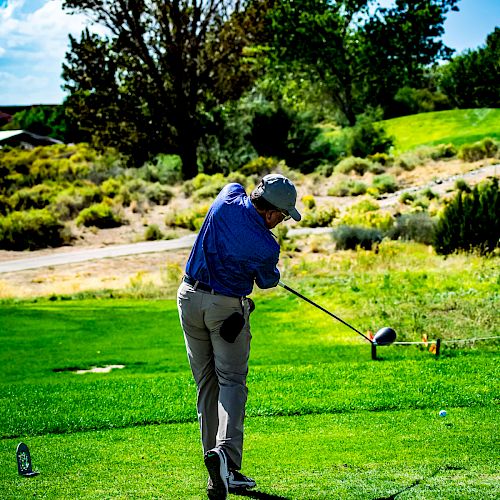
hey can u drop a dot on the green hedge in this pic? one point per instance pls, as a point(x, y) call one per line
point(32, 229)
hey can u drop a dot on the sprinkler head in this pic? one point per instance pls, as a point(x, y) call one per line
point(384, 336)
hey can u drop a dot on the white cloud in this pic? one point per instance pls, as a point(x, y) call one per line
point(32, 49)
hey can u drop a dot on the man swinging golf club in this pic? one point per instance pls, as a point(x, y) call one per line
point(234, 249)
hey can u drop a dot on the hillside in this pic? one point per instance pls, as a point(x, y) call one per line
point(456, 126)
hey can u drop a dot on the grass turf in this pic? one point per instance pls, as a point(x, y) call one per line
point(457, 126)
point(360, 455)
point(324, 421)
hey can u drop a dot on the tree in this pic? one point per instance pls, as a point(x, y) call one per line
point(145, 86)
point(398, 46)
point(363, 55)
point(41, 120)
point(470, 80)
point(320, 36)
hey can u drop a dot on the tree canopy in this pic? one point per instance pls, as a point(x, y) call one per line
point(145, 85)
point(158, 80)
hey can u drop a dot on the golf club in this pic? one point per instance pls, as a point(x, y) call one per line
point(384, 336)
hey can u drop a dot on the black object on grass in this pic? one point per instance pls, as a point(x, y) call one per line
point(384, 336)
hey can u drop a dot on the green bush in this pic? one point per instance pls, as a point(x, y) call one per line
point(32, 229)
point(165, 169)
point(348, 187)
point(158, 193)
point(367, 214)
point(385, 183)
point(69, 202)
point(407, 198)
point(383, 159)
point(470, 221)
point(367, 137)
point(111, 187)
point(191, 218)
point(419, 227)
point(309, 201)
point(353, 237)
point(38, 196)
point(358, 165)
point(290, 136)
point(486, 148)
point(259, 166)
point(100, 215)
point(153, 233)
point(319, 217)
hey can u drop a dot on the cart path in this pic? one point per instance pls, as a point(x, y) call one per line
point(59, 257)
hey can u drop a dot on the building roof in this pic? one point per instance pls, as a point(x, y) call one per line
point(25, 136)
point(7, 134)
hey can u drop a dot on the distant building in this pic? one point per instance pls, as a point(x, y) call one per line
point(24, 139)
point(4, 118)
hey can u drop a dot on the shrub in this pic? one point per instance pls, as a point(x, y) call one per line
point(32, 229)
point(383, 159)
point(288, 135)
point(319, 217)
point(385, 183)
point(352, 237)
point(100, 215)
point(358, 165)
point(417, 227)
point(443, 151)
point(111, 187)
point(259, 166)
point(407, 198)
point(158, 193)
point(164, 168)
point(462, 185)
point(153, 233)
point(348, 187)
point(191, 218)
point(367, 214)
point(470, 221)
point(69, 202)
point(38, 196)
point(486, 148)
point(367, 137)
point(309, 201)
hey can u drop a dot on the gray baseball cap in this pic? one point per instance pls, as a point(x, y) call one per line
point(280, 192)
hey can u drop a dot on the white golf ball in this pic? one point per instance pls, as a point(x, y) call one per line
point(442, 413)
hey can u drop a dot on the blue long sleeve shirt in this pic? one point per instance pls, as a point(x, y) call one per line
point(234, 248)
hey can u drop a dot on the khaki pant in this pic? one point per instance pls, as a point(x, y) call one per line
point(219, 367)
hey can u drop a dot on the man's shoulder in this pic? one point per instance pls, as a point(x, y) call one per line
point(233, 188)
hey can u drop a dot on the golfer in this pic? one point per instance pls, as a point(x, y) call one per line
point(234, 249)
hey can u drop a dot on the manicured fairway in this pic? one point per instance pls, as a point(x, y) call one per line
point(324, 420)
point(350, 455)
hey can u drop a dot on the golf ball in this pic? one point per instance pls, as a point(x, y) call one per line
point(442, 413)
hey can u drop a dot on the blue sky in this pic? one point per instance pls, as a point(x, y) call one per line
point(34, 39)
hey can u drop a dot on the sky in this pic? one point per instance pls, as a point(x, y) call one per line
point(34, 40)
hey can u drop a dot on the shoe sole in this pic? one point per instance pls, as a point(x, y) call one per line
point(219, 487)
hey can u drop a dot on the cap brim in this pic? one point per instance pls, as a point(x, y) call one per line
point(294, 214)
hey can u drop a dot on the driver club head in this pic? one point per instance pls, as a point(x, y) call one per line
point(384, 336)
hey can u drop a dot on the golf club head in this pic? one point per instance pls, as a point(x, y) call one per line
point(384, 336)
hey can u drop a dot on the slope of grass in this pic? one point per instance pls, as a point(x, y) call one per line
point(457, 126)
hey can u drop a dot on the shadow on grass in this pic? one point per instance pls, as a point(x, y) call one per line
point(260, 495)
point(419, 481)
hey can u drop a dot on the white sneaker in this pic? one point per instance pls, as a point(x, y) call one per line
point(216, 464)
point(237, 480)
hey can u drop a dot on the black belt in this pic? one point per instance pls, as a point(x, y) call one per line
point(198, 285)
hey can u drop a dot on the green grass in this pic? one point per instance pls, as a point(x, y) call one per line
point(324, 421)
point(458, 126)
